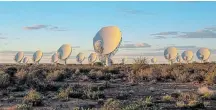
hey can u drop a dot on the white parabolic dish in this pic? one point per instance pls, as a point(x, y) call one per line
point(203, 54)
point(109, 38)
point(25, 60)
point(37, 56)
point(154, 60)
point(92, 57)
point(179, 59)
point(64, 51)
point(54, 57)
point(170, 53)
point(80, 57)
point(187, 55)
point(19, 56)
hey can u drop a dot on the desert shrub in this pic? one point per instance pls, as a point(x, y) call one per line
point(167, 98)
point(93, 92)
point(4, 79)
point(99, 75)
point(211, 78)
point(122, 95)
point(140, 104)
point(196, 77)
point(195, 104)
point(33, 97)
point(187, 96)
point(180, 104)
point(148, 101)
point(55, 76)
point(21, 76)
point(98, 64)
point(139, 63)
point(11, 71)
point(23, 107)
point(111, 104)
point(112, 70)
point(64, 94)
point(206, 93)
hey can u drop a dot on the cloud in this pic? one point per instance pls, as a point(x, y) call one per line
point(209, 32)
point(3, 37)
point(160, 37)
point(166, 33)
point(134, 11)
point(137, 45)
point(26, 52)
point(127, 41)
point(55, 28)
point(46, 27)
point(141, 54)
point(189, 47)
point(35, 27)
point(75, 46)
point(206, 33)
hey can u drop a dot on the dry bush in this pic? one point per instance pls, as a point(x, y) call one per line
point(55, 76)
point(139, 63)
point(180, 104)
point(11, 71)
point(33, 97)
point(99, 75)
point(111, 104)
point(211, 78)
point(4, 80)
point(23, 107)
point(167, 98)
point(206, 93)
point(187, 96)
point(21, 76)
point(64, 94)
point(93, 92)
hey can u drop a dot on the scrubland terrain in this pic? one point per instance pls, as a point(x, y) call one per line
point(138, 86)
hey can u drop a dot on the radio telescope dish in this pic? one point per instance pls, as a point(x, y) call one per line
point(54, 58)
point(18, 57)
point(187, 55)
point(25, 60)
point(179, 58)
point(154, 60)
point(124, 60)
point(80, 57)
point(64, 52)
point(107, 41)
point(92, 58)
point(203, 54)
point(37, 56)
point(170, 54)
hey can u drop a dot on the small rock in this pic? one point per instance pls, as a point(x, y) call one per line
point(152, 89)
point(153, 82)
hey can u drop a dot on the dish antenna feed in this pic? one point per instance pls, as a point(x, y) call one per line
point(80, 58)
point(170, 54)
point(124, 60)
point(64, 52)
point(154, 60)
point(187, 55)
point(106, 43)
point(18, 57)
point(54, 58)
point(25, 60)
point(37, 56)
point(179, 58)
point(92, 58)
point(203, 54)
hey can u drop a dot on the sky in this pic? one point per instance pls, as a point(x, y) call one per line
point(147, 27)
